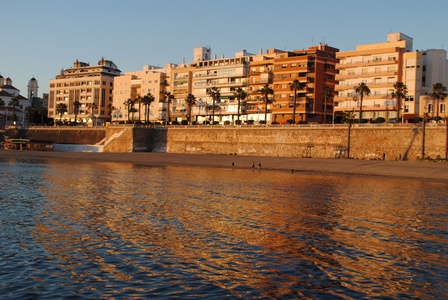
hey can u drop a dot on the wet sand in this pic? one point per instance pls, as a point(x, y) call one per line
point(433, 171)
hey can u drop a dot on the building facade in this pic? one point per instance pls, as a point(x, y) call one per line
point(87, 85)
point(135, 85)
point(435, 69)
point(379, 66)
point(226, 74)
point(12, 115)
point(314, 68)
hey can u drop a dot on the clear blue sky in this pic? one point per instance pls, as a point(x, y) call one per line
point(39, 38)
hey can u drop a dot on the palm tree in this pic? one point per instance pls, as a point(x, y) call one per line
point(92, 107)
point(2, 103)
point(76, 106)
point(362, 89)
point(438, 92)
point(327, 94)
point(111, 110)
point(14, 102)
point(61, 108)
point(266, 91)
point(191, 101)
point(216, 96)
point(295, 86)
point(349, 118)
point(240, 94)
point(399, 92)
point(147, 100)
point(168, 98)
point(139, 101)
point(128, 104)
point(42, 112)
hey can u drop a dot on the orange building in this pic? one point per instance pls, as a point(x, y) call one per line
point(315, 68)
point(261, 73)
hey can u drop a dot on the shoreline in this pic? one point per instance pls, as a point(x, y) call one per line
point(416, 170)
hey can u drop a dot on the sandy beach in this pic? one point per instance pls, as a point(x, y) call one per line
point(434, 171)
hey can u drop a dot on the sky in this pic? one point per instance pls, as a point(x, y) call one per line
point(40, 37)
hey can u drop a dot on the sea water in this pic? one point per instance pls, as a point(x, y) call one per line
point(110, 230)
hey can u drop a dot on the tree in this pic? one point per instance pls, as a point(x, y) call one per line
point(295, 86)
point(349, 119)
point(216, 96)
point(147, 100)
point(111, 109)
point(128, 104)
point(92, 107)
point(61, 108)
point(14, 102)
point(76, 106)
point(327, 94)
point(139, 101)
point(240, 94)
point(191, 101)
point(362, 89)
point(266, 91)
point(168, 98)
point(2, 103)
point(399, 92)
point(438, 92)
point(43, 113)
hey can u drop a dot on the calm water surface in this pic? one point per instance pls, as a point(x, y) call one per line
point(106, 230)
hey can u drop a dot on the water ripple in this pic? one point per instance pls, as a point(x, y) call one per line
point(121, 231)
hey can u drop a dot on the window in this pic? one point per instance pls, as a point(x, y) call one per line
point(284, 66)
point(430, 108)
point(442, 108)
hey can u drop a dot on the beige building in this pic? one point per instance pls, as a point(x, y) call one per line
point(86, 84)
point(379, 66)
point(181, 82)
point(132, 85)
point(435, 69)
point(226, 74)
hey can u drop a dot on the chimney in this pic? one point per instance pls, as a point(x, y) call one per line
point(261, 51)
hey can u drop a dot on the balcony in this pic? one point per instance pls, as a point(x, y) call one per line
point(366, 74)
point(367, 62)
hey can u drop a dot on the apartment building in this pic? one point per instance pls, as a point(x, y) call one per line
point(181, 84)
point(134, 85)
point(87, 85)
point(314, 67)
point(261, 73)
point(379, 66)
point(226, 74)
point(434, 70)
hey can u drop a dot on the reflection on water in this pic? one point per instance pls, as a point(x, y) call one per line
point(121, 231)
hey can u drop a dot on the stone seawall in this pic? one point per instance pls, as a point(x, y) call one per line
point(61, 135)
point(388, 143)
point(366, 142)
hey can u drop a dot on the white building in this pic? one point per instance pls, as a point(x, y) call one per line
point(7, 93)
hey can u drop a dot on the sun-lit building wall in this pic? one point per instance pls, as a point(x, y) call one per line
point(86, 84)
